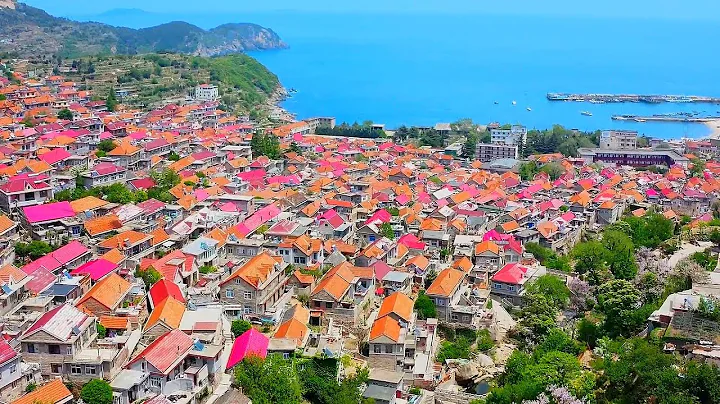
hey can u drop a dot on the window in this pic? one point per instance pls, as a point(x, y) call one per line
point(511, 288)
point(389, 349)
point(13, 368)
point(31, 348)
point(55, 368)
point(238, 280)
point(76, 369)
point(247, 295)
point(286, 355)
point(43, 194)
point(229, 294)
point(328, 305)
point(90, 370)
point(466, 318)
point(376, 348)
point(454, 317)
point(54, 349)
point(155, 381)
point(30, 196)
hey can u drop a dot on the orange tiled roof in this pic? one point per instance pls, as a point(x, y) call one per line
point(118, 240)
point(487, 246)
point(5, 223)
point(51, 393)
point(170, 311)
point(397, 303)
point(114, 322)
point(87, 203)
point(385, 327)
point(293, 329)
point(108, 291)
point(256, 270)
point(446, 282)
point(102, 224)
point(114, 256)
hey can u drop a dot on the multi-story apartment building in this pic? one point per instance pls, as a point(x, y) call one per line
point(513, 136)
point(255, 287)
point(490, 152)
point(618, 140)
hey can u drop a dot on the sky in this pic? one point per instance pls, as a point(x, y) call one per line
point(656, 9)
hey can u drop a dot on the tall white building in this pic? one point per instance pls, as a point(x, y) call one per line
point(206, 92)
point(618, 140)
point(512, 136)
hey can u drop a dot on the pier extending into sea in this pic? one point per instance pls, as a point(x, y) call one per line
point(666, 118)
point(620, 98)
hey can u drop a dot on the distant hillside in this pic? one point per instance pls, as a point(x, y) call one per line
point(155, 79)
point(30, 32)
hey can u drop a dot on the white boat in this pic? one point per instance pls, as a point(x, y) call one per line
point(496, 103)
point(514, 103)
point(586, 113)
point(529, 109)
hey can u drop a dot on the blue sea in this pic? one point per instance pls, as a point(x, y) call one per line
point(420, 69)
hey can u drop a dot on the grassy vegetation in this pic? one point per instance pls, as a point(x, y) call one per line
point(152, 79)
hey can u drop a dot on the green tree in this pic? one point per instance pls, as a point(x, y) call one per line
point(617, 300)
point(118, 193)
point(266, 144)
point(424, 306)
point(268, 381)
point(33, 250)
point(65, 114)
point(697, 167)
point(150, 276)
point(295, 148)
point(528, 170)
point(111, 101)
point(102, 332)
point(386, 230)
point(553, 288)
point(554, 170)
point(106, 145)
point(172, 156)
point(97, 391)
point(538, 315)
point(590, 259)
point(588, 332)
point(620, 257)
point(239, 327)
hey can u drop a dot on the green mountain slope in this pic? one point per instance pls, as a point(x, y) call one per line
point(30, 32)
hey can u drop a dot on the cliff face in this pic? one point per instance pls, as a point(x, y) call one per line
point(31, 32)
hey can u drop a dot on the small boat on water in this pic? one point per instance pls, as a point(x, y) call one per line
point(639, 120)
point(586, 113)
point(292, 90)
point(514, 102)
point(529, 109)
point(496, 103)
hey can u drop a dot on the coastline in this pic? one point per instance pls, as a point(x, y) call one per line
point(714, 127)
point(274, 107)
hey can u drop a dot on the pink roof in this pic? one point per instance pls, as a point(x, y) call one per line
point(106, 135)
point(56, 259)
point(402, 199)
point(151, 206)
point(252, 342)
point(411, 241)
point(229, 207)
point(48, 212)
point(41, 280)
point(164, 351)
point(651, 193)
point(97, 269)
point(21, 182)
point(252, 175)
point(284, 179)
point(510, 273)
point(143, 183)
point(381, 269)
point(107, 168)
point(379, 217)
point(203, 155)
point(54, 156)
point(258, 218)
point(333, 218)
point(6, 352)
point(137, 135)
point(494, 235)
